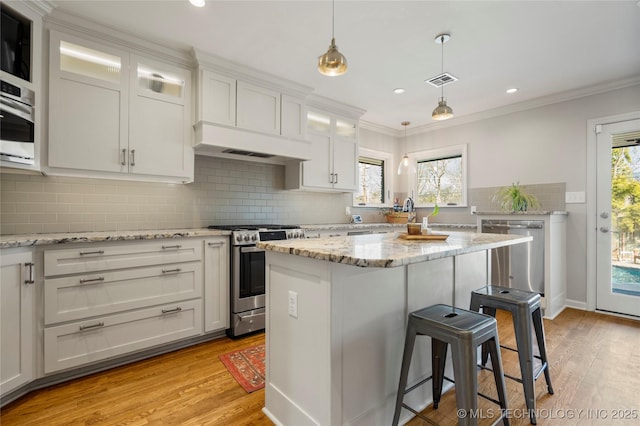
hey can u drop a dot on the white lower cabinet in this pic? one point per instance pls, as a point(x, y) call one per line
point(90, 340)
point(104, 300)
point(216, 284)
point(17, 319)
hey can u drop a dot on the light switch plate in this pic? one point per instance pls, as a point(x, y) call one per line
point(575, 197)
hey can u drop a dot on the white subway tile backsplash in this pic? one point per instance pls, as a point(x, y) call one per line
point(224, 192)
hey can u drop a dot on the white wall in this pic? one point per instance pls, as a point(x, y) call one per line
point(541, 145)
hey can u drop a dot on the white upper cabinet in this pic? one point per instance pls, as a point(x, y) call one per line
point(293, 117)
point(159, 131)
point(334, 152)
point(115, 114)
point(257, 108)
point(88, 105)
point(217, 100)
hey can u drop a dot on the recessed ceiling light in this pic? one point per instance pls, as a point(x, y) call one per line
point(512, 90)
point(197, 3)
point(398, 90)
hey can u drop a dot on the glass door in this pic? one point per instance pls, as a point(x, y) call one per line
point(618, 221)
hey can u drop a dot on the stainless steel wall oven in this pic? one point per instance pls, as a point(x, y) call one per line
point(247, 280)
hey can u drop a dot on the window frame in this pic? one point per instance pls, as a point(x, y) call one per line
point(435, 154)
point(388, 159)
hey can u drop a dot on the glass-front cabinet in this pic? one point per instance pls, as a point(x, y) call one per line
point(116, 113)
point(334, 147)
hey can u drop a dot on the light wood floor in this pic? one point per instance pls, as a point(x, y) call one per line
point(595, 365)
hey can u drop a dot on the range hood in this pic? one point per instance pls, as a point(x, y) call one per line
point(240, 144)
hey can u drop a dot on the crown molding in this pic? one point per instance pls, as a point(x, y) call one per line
point(379, 128)
point(337, 107)
point(239, 71)
point(96, 31)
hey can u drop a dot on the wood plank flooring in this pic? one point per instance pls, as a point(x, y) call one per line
point(595, 365)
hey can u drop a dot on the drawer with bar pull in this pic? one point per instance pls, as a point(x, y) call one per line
point(104, 257)
point(78, 343)
point(98, 293)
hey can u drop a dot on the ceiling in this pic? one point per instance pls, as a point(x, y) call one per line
point(541, 47)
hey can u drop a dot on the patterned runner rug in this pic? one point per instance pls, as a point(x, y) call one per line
point(246, 366)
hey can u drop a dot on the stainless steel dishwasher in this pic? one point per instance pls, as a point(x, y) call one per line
point(520, 266)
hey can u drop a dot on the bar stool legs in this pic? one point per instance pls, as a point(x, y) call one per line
point(525, 311)
point(464, 331)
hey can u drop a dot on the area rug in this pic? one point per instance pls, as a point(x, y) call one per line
point(246, 366)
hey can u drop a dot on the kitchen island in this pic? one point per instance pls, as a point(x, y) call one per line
point(336, 318)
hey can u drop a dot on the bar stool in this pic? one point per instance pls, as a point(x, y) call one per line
point(464, 331)
point(525, 310)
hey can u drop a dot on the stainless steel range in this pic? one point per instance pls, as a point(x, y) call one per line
point(248, 273)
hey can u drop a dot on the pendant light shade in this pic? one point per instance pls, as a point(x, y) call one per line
point(403, 167)
point(442, 111)
point(333, 62)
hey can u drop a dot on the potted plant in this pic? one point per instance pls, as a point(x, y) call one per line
point(515, 198)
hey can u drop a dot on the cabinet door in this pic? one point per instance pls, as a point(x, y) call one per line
point(88, 105)
point(345, 163)
point(293, 118)
point(216, 284)
point(258, 108)
point(160, 131)
point(217, 103)
point(17, 326)
point(317, 172)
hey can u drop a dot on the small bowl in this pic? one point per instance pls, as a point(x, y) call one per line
point(414, 228)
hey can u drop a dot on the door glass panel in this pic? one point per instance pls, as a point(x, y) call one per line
point(88, 62)
point(252, 282)
point(159, 81)
point(346, 128)
point(625, 214)
point(318, 122)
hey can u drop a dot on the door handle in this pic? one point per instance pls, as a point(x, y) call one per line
point(604, 229)
point(132, 159)
point(123, 157)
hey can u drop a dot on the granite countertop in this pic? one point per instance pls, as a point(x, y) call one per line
point(389, 251)
point(527, 213)
point(393, 226)
point(25, 240)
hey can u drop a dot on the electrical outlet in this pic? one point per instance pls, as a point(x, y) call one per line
point(293, 304)
point(347, 210)
point(473, 209)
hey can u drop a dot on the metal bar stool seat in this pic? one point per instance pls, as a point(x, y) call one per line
point(525, 311)
point(465, 331)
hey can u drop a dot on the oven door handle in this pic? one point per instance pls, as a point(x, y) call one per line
point(251, 249)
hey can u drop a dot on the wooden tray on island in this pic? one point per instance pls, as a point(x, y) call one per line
point(430, 237)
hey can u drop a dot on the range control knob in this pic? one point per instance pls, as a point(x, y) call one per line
point(246, 237)
point(253, 237)
point(238, 238)
point(290, 235)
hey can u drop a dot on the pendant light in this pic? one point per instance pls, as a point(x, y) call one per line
point(404, 163)
point(332, 63)
point(442, 111)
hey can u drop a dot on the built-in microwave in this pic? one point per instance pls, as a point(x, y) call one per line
point(16, 124)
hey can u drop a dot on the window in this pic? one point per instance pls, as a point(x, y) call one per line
point(373, 178)
point(441, 177)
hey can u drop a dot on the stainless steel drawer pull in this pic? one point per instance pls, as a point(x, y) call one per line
point(30, 266)
point(89, 327)
point(132, 159)
point(85, 253)
point(215, 244)
point(168, 271)
point(170, 311)
point(91, 280)
point(177, 246)
point(123, 159)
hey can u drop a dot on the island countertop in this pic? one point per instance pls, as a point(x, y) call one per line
point(388, 250)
